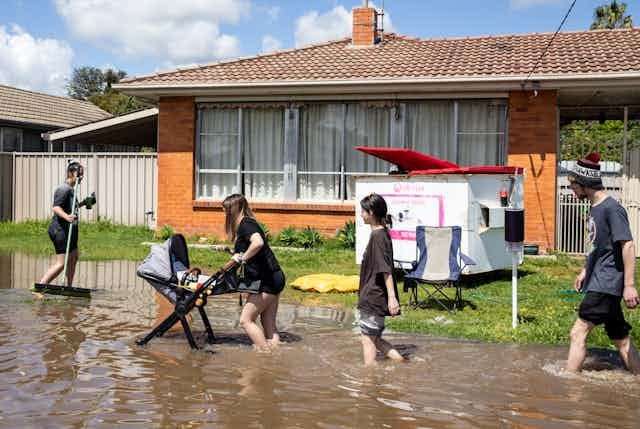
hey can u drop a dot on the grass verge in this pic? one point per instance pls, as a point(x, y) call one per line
point(546, 312)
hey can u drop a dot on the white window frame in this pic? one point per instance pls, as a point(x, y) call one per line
point(292, 134)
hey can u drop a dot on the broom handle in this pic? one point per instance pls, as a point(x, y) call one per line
point(73, 212)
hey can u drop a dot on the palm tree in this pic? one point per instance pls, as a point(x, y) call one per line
point(611, 16)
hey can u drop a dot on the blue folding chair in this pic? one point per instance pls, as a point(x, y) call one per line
point(439, 264)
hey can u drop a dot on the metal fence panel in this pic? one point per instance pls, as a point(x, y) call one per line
point(6, 186)
point(631, 194)
point(125, 185)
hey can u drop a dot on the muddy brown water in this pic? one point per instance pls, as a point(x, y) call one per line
point(72, 362)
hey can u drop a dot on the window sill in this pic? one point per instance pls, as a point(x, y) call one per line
point(298, 206)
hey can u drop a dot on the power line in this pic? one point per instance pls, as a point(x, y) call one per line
point(524, 82)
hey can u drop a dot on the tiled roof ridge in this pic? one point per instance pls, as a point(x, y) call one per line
point(237, 60)
point(504, 36)
point(85, 103)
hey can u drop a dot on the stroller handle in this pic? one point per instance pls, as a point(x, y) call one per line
point(226, 267)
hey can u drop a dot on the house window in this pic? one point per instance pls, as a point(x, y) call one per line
point(429, 128)
point(10, 139)
point(307, 152)
point(481, 133)
point(241, 150)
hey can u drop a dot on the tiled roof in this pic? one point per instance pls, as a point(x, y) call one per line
point(20, 105)
point(571, 53)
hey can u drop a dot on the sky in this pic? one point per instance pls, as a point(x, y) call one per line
point(42, 41)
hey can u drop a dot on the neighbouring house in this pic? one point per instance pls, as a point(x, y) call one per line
point(131, 132)
point(281, 127)
point(25, 115)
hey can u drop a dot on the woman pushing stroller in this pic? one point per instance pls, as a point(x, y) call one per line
point(260, 264)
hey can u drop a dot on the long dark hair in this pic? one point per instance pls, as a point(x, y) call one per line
point(235, 206)
point(377, 206)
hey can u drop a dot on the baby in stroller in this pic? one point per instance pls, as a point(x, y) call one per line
point(167, 269)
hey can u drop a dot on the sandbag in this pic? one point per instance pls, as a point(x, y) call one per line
point(326, 283)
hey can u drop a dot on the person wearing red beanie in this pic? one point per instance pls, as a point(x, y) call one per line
point(608, 275)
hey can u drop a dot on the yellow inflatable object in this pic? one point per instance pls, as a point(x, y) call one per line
point(325, 283)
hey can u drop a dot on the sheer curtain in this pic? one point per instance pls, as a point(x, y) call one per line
point(370, 126)
point(481, 133)
point(429, 129)
point(263, 153)
point(218, 152)
point(320, 150)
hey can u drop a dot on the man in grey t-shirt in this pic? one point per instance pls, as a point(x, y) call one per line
point(609, 271)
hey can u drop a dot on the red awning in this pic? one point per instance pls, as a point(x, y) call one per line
point(407, 159)
point(484, 169)
point(417, 163)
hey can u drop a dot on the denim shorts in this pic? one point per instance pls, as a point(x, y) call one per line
point(371, 325)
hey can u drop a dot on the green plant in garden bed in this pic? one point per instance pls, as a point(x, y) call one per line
point(347, 235)
point(293, 237)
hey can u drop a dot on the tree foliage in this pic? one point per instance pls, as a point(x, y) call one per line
point(610, 16)
point(95, 85)
point(579, 138)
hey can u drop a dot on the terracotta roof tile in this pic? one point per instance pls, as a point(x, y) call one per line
point(583, 52)
point(20, 105)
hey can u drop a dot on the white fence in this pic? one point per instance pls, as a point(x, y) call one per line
point(631, 194)
point(573, 214)
point(125, 185)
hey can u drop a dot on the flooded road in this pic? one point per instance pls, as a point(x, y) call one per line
point(72, 362)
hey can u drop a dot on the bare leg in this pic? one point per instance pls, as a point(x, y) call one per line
point(578, 347)
point(54, 270)
point(268, 319)
point(629, 354)
point(369, 350)
point(253, 307)
point(388, 350)
point(71, 266)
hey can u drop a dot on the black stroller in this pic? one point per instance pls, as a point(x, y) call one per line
point(161, 270)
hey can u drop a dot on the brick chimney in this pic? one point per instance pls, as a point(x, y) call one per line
point(365, 23)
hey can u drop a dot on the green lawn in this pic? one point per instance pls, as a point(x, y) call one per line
point(547, 309)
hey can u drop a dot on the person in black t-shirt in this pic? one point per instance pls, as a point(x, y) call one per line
point(378, 293)
point(609, 272)
point(252, 250)
point(59, 226)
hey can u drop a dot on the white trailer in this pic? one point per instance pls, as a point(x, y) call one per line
point(466, 197)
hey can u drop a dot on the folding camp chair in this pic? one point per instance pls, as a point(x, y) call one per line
point(439, 264)
point(161, 270)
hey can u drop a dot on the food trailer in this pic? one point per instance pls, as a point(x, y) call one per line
point(433, 192)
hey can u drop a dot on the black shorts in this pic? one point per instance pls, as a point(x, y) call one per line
point(599, 308)
point(59, 237)
point(273, 285)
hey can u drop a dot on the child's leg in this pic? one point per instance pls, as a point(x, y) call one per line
point(54, 270)
point(387, 350)
point(71, 266)
point(369, 349)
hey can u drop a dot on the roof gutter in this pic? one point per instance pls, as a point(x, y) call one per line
point(463, 83)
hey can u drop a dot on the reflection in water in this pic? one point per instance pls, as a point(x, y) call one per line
point(72, 362)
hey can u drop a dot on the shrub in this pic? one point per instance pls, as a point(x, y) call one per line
point(347, 235)
point(165, 232)
point(265, 229)
point(309, 238)
point(288, 236)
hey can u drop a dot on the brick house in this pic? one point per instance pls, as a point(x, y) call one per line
point(281, 127)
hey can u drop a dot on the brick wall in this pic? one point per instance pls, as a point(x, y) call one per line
point(533, 134)
point(176, 185)
point(364, 26)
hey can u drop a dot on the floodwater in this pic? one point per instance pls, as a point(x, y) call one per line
point(72, 362)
